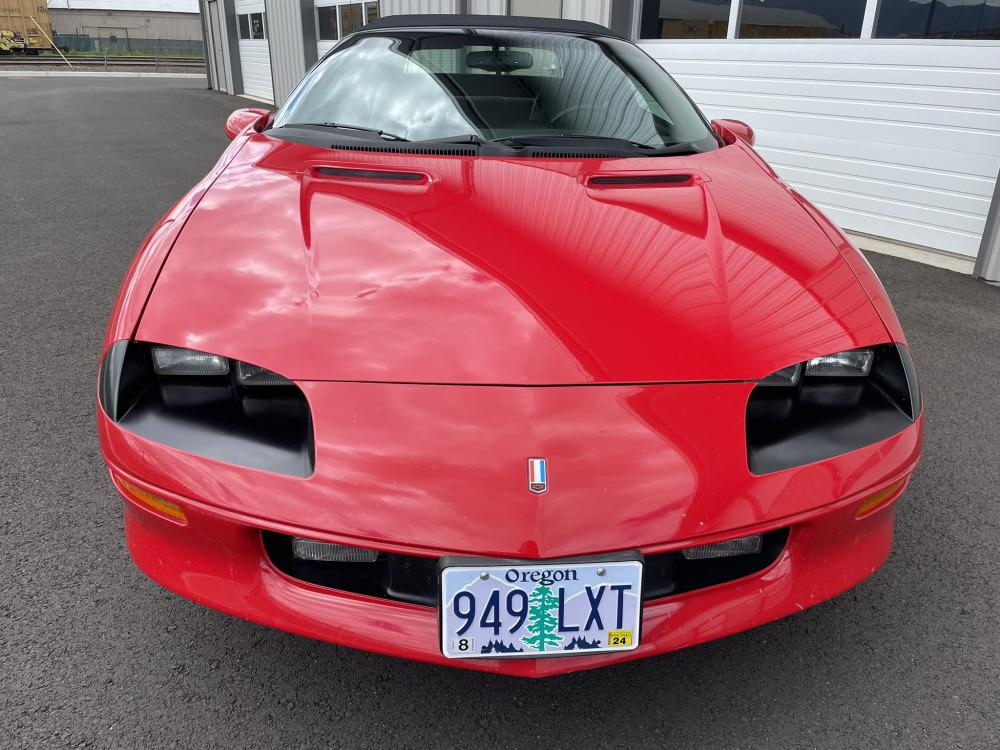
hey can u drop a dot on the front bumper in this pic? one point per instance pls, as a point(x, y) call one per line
point(218, 559)
point(429, 471)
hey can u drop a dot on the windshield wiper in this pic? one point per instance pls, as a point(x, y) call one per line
point(471, 138)
point(343, 126)
point(533, 138)
point(684, 148)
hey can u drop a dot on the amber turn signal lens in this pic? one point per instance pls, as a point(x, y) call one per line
point(161, 504)
point(880, 498)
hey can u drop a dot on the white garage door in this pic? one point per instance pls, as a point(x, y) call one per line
point(255, 55)
point(898, 139)
point(336, 19)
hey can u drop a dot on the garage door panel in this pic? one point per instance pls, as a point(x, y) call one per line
point(913, 233)
point(866, 94)
point(956, 220)
point(930, 78)
point(976, 171)
point(916, 54)
point(324, 45)
point(851, 166)
point(878, 113)
point(955, 140)
point(255, 56)
point(862, 186)
point(255, 60)
point(899, 138)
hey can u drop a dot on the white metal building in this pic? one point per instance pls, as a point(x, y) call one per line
point(127, 25)
point(885, 113)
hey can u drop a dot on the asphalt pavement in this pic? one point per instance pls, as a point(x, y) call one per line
point(95, 655)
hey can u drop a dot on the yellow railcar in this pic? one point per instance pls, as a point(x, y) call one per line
point(19, 34)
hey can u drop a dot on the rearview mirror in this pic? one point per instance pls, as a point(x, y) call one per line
point(238, 120)
point(499, 62)
point(730, 130)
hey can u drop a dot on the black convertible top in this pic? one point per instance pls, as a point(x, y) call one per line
point(439, 20)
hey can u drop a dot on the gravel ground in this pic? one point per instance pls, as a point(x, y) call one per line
point(95, 655)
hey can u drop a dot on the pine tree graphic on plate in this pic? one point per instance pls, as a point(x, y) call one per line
point(541, 622)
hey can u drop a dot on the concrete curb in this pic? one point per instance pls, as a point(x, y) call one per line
point(938, 259)
point(92, 74)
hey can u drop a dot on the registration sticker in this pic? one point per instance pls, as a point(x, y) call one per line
point(620, 638)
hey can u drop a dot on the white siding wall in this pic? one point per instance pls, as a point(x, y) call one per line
point(488, 7)
point(255, 56)
point(405, 7)
point(134, 24)
point(286, 45)
point(595, 11)
point(324, 45)
point(895, 139)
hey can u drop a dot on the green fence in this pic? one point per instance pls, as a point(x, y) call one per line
point(126, 45)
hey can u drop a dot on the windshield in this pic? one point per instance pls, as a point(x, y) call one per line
point(496, 84)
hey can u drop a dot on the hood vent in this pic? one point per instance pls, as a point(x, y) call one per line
point(639, 179)
point(412, 149)
point(372, 174)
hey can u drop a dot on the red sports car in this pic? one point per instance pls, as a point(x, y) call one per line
point(487, 349)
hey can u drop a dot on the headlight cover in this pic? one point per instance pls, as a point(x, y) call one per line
point(830, 405)
point(856, 363)
point(209, 405)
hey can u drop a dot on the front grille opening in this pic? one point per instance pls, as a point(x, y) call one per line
point(404, 578)
point(413, 579)
point(672, 573)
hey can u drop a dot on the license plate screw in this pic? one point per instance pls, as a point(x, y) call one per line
point(601, 571)
point(484, 575)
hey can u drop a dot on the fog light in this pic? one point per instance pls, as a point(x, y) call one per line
point(310, 549)
point(873, 502)
point(745, 545)
point(155, 502)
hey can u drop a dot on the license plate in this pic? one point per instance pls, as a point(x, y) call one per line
point(496, 609)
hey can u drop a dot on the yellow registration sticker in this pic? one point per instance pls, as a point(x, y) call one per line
point(619, 638)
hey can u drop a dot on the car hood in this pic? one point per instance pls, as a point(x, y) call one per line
point(469, 270)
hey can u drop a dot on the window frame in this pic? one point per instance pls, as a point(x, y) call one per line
point(919, 39)
point(240, 19)
point(868, 26)
point(864, 11)
point(263, 26)
point(249, 26)
point(365, 5)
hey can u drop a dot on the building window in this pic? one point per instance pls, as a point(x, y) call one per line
point(801, 19)
point(252, 25)
point(258, 26)
point(326, 23)
point(335, 20)
point(937, 19)
point(684, 19)
point(351, 18)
